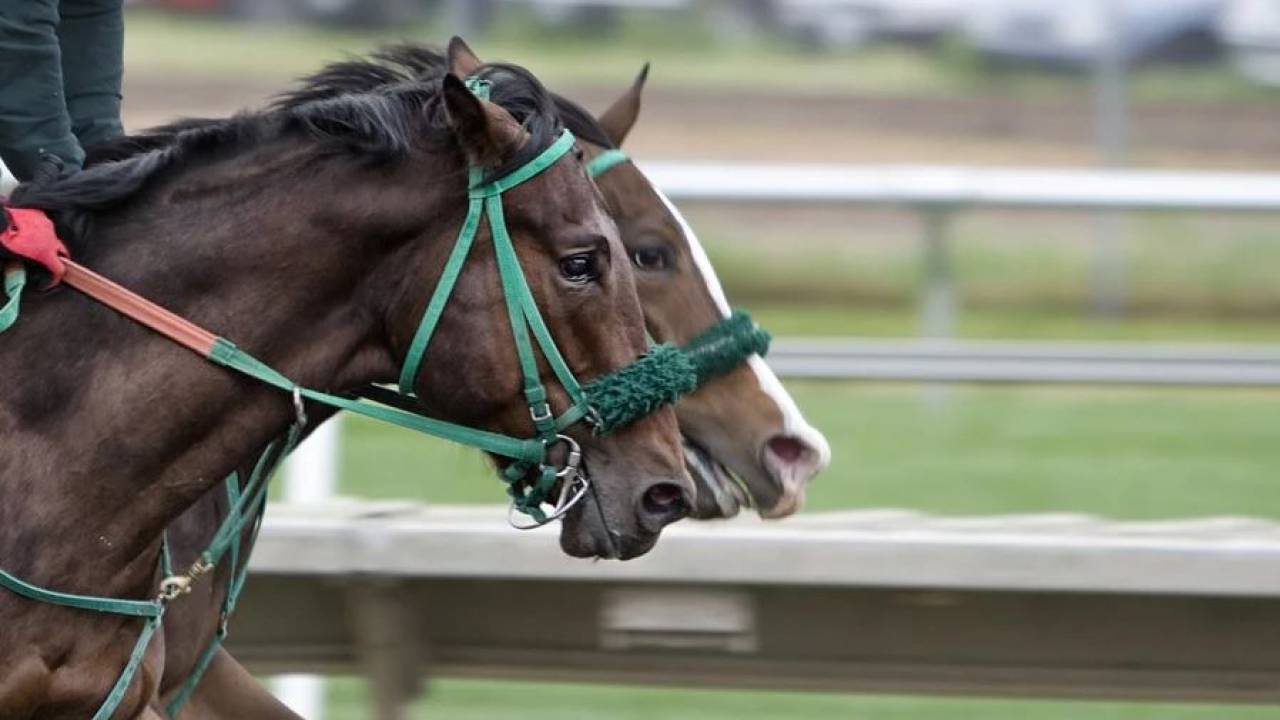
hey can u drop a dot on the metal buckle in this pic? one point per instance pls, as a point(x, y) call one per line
point(573, 487)
point(571, 493)
point(542, 416)
point(572, 461)
point(175, 586)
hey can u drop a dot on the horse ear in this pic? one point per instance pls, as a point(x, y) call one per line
point(484, 131)
point(462, 61)
point(618, 120)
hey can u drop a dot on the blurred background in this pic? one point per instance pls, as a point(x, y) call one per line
point(907, 89)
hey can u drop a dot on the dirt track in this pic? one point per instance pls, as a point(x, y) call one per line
point(987, 129)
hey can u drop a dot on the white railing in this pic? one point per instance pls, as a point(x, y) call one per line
point(1046, 605)
point(937, 193)
point(949, 187)
point(1210, 365)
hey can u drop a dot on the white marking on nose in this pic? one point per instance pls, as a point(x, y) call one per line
point(793, 421)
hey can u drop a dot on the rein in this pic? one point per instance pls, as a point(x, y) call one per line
point(658, 378)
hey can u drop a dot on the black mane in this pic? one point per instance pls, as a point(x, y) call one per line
point(375, 109)
point(398, 64)
point(409, 63)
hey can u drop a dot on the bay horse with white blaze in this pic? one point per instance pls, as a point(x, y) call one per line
point(313, 236)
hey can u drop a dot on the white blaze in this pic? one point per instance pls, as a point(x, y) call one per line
point(794, 423)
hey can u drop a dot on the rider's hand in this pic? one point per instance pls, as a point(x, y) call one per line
point(51, 168)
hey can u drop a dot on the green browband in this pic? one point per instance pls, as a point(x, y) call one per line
point(606, 160)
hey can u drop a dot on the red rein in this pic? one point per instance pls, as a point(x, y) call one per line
point(31, 236)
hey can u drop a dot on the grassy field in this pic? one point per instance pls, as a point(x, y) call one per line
point(484, 700)
point(1188, 267)
point(1121, 453)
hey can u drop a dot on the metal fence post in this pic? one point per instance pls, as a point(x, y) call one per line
point(938, 306)
point(1107, 272)
point(387, 643)
point(310, 476)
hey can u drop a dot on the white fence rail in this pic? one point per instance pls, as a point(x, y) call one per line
point(1041, 606)
point(955, 187)
point(1219, 365)
point(938, 192)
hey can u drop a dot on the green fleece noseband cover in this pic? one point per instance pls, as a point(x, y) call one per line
point(666, 373)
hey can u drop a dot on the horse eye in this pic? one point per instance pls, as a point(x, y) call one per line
point(651, 258)
point(580, 268)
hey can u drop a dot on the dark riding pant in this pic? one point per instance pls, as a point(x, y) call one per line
point(60, 74)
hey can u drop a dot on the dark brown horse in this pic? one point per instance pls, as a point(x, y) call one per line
point(744, 420)
point(311, 235)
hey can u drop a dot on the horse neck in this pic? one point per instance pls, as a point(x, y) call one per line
point(112, 431)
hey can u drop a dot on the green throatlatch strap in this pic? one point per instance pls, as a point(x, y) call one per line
point(238, 574)
point(166, 558)
point(606, 161)
point(243, 510)
point(197, 673)
point(118, 690)
point(15, 278)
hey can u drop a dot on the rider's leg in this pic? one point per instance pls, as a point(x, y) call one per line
point(34, 124)
point(92, 38)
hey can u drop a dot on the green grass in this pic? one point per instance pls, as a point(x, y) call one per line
point(1010, 323)
point(1190, 267)
point(486, 700)
point(1121, 453)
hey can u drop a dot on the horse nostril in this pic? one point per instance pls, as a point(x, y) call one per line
point(665, 499)
point(786, 448)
